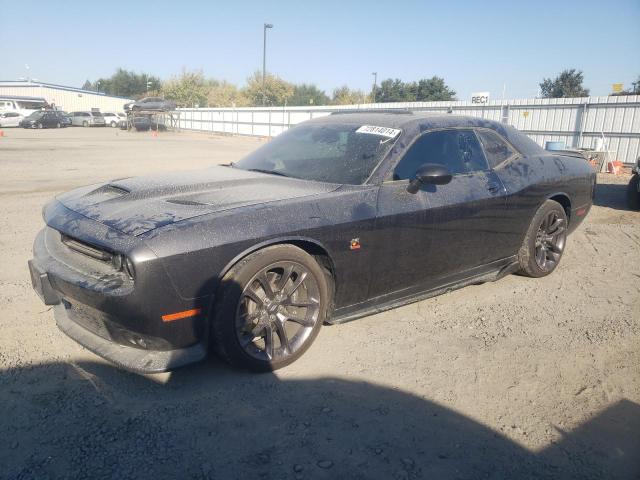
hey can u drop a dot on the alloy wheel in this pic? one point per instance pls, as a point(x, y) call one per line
point(277, 311)
point(550, 241)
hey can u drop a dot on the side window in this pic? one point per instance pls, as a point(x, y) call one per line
point(495, 148)
point(458, 150)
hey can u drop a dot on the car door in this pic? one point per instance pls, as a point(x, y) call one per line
point(441, 232)
point(49, 119)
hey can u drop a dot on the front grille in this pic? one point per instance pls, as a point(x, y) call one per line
point(86, 248)
point(86, 258)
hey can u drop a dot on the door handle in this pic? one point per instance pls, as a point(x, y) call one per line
point(493, 188)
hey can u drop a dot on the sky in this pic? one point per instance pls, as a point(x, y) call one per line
point(474, 45)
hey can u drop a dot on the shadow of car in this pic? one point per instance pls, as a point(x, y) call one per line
point(81, 419)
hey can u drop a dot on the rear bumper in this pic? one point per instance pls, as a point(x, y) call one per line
point(129, 358)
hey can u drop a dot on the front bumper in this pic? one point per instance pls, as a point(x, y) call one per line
point(118, 319)
point(130, 358)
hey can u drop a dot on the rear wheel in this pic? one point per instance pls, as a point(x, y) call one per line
point(58, 125)
point(633, 195)
point(85, 124)
point(40, 125)
point(114, 124)
point(545, 240)
point(270, 308)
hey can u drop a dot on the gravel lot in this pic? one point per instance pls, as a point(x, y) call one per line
point(514, 379)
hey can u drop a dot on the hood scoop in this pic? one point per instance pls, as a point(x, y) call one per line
point(137, 205)
point(108, 191)
point(183, 201)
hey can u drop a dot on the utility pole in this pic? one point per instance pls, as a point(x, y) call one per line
point(264, 59)
point(375, 85)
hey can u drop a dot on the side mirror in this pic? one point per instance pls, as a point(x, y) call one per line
point(429, 174)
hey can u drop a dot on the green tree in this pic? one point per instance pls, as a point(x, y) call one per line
point(87, 85)
point(391, 90)
point(225, 94)
point(424, 90)
point(187, 90)
point(432, 90)
point(126, 83)
point(567, 84)
point(345, 96)
point(305, 95)
point(274, 91)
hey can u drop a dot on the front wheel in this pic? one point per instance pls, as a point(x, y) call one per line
point(269, 308)
point(633, 194)
point(545, 240)
point(85, 124)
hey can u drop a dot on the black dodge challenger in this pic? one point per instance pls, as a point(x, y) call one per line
point(337, 218)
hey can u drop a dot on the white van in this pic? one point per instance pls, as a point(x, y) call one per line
point(22, 105)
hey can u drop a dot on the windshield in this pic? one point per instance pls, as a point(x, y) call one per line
point(341, 153)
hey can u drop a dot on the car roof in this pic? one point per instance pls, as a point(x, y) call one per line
point(399, 119)
point(413, 123)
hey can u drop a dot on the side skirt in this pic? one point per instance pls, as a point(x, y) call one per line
point(510, 267)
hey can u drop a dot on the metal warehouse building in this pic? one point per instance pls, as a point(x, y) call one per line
point(65, 98)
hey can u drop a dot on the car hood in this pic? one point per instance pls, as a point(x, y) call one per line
point(139, 204)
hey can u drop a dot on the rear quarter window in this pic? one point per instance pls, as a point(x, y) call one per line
point(496, 149)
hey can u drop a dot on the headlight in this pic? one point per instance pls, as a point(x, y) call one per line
point(130, 268)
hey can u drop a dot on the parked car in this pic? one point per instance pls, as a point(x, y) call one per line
point(633, 189)
point(43, 119)
point(151, 104)
point(65, 117)
point(113, 119)
point(336, 218)
point(10, 119)
point(142, 124)
point(87, 119)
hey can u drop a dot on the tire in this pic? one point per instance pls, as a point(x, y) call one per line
point(58, 125)
point(633, 195)
point(40, 125)
point(250, 316)
point(85, 124)
point(114, 124)
point(545, 241)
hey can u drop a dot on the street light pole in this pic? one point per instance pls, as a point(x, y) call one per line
point(264, 58)
point(375, 85)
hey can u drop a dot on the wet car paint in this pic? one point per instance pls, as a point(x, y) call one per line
point(185, 231)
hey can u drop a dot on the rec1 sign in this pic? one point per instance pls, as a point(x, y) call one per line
point(480, 97)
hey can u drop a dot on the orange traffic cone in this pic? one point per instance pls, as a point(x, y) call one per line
point(1, 133)
point(154, 133)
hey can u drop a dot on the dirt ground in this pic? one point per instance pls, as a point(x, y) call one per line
point(521, 378)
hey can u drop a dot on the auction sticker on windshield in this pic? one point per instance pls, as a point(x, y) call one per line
point(383, 131)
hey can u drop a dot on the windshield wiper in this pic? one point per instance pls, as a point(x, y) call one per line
point(271, 172)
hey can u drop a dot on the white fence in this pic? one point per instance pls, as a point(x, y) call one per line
point(577, 122)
